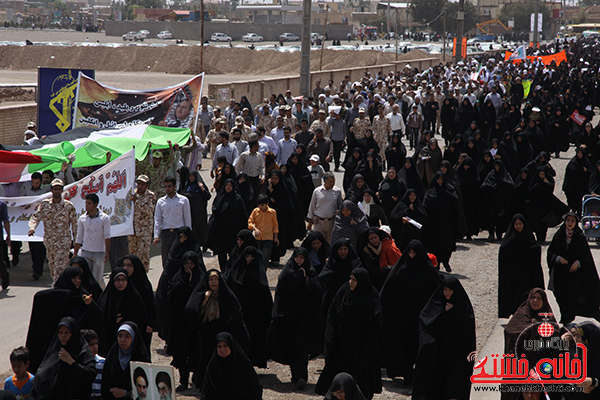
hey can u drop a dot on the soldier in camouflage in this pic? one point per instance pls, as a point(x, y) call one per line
point(143, 221)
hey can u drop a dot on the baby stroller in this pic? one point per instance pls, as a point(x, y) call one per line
point(590, 221)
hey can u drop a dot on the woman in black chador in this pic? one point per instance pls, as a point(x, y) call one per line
point(353, 337)
point(577, 179)
point(407, 289)
point(244, 238)
point(496, 198)
point(519, 266)
point(573, 276)
point(344, 387)
point(230, 375)
point(193, 187)
point(248, 280)
point(212, 309)
point(294, 333)
point(410, 206)
point(182, 340)
point(440, 232)
point(342, 261)
point(68, 369)
point(229, 216)
point(446, 338)
point(318, 250)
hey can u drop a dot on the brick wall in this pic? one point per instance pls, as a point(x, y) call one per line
point(13, 122)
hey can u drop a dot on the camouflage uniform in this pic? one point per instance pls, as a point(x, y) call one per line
point(60, 229)
point(212, 135)
point(143, 222)
point(360, 126)
point(323, 125)
point(290, 122)
point(224, 124)
point(246, 132)
point(266, 121)
point(382, 128)
point(156, 174)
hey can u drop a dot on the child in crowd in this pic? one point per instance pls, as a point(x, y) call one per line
point(263, 223)
point(316, 170)
point(21, 383)
point(91, 337)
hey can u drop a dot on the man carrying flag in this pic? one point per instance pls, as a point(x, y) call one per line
point(519, 54)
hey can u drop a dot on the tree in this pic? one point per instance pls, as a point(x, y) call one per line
point(429, 12)
point(521, 12)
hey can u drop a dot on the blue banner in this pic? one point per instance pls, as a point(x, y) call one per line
point(56, 98)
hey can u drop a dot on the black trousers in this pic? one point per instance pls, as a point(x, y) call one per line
point(38, 256)
point(3, 262)
point(15, 248)
point(167, 238)
point(255, 182)
point(337, 152)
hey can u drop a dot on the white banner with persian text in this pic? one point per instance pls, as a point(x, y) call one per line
point(113, 183)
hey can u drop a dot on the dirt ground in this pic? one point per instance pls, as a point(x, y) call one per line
point(186, 60)
point(16, 94)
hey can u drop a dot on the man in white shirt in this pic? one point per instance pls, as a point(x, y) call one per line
point(93, 237)
point(172, 213)
point(286, 146)
point(267, 140)
point(325, 202)
point(277, 132)
point(226, 149)
point(395, 117)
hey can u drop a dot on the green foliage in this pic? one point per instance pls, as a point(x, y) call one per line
point(60, 6)
point(521, 12)
point(427, 11)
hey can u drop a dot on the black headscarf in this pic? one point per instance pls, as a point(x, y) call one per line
point(55, 378)
point(395, 153)
point(354, 193)
point(229, 215)
point(404, 233)
point(113, 374)
point(321, 255)
point(232, 377)
point(519, 267)
point(251, 287)
point(296, 318)
point(139, 278)
point(89, 283)
point(350, 227)
point(302, 179)
point(446, 338)
point(337, 271)
point(350, 167)
point(245, 189)
point(181, 339)
point(347, 383)
point(353, 337)
point(405, 292)
point(411, 177)
point(248, 239)
point(128, 303)
point(390, 188)
point(594, 183)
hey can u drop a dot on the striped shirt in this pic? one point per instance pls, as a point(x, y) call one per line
point(97, 385)
point(230, 152)
point(252, 164)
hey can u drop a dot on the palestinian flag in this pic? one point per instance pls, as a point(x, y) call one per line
point(89, 145)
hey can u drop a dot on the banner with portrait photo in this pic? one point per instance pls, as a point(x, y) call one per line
point(106, 107)
point(56, 98)
point(113, 183)
point(152, 382)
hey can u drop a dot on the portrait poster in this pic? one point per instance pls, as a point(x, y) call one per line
point(106, 107)
point(152, 382)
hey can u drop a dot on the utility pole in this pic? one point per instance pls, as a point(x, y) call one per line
point(536, 33)
point(201, 35)
point(460, 25)
point(305, 54)
point(388, 18)
point(396, 33)
point(444, 38)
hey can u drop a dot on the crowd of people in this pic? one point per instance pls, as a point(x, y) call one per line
point(364, 284)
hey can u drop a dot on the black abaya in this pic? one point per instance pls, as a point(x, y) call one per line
point(403, 232)
point(231, 377)
point(497, 196)
point(577, 178)
point(313, 255)
point(57, 380)
point(294, 332)
point(198, 195)
point(471, 195)
point(346, 383)
point(247, 239)
point(251, 287)
point(519, 267)
point(578, 292)
point(203, 318)
point(354, 337)
point(407, 289)
point(446, 338)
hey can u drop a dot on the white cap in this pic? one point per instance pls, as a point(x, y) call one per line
point(315, 158)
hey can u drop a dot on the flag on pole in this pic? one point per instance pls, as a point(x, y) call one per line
point(475, 75)
point(519, 54)
point(526, 87)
